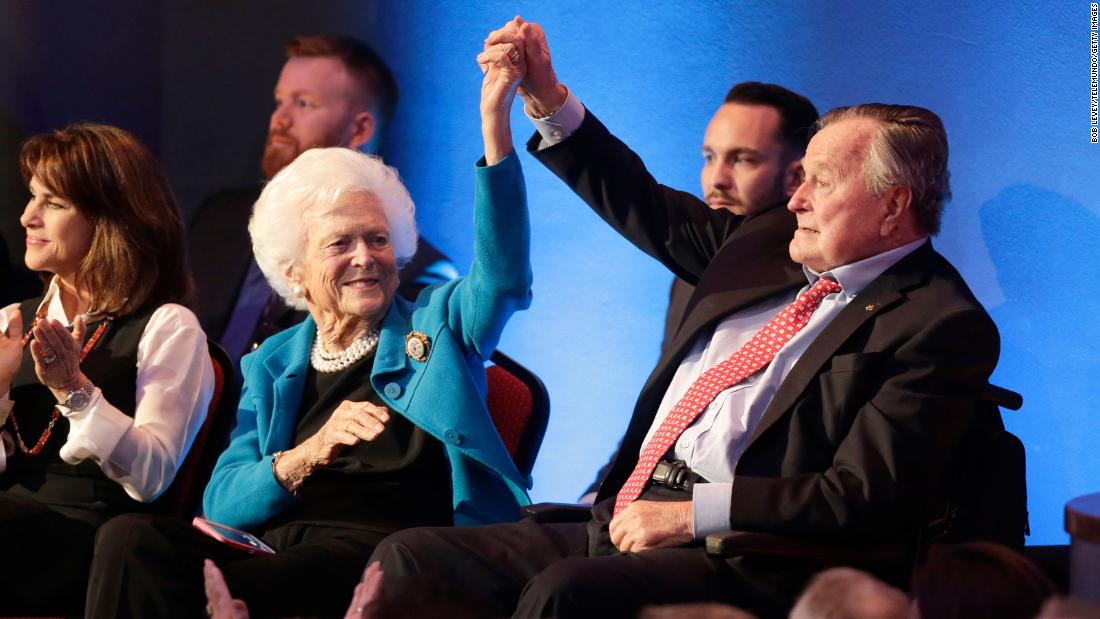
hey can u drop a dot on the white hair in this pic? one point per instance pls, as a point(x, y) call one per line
point(846, 593)
point(908, 148)
point(319, 178)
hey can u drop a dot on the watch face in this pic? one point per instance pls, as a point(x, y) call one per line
point(78, 399)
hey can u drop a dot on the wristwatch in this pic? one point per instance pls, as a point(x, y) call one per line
point(79, 398)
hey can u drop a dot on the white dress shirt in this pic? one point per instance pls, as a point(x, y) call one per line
point(175, 382)
point(714, 442)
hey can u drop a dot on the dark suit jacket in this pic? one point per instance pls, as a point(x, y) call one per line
point(859, 439)
point(221, 250)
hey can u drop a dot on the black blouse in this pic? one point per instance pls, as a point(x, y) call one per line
point(400, 479)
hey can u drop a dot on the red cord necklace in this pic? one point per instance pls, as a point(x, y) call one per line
point(34, 451)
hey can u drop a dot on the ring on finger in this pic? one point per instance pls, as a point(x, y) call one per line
point(49, 358)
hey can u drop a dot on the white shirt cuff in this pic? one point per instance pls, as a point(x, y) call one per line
point(94, 431)
point(710, 508)
point(561, 124)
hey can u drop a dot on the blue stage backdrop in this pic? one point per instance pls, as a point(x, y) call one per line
point(1011, 82)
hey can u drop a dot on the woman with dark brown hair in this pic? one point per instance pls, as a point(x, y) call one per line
point(978, 580)
point(105, 379)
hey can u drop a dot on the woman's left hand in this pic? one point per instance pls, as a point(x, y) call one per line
point(504, 67)
point(56, 354)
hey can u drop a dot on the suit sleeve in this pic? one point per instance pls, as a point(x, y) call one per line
point(675, 227)
point(891, 465)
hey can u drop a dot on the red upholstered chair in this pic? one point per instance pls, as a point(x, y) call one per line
point(184, 497)
point(520, 408)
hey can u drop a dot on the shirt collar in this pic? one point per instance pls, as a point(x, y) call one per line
point(56, 311)
point(854, 277)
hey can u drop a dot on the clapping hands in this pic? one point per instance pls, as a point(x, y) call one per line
point(221, 605)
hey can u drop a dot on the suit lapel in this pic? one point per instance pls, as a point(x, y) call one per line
point(883, 292)
point(220, 253)
point(287, 366)
point(391, 341)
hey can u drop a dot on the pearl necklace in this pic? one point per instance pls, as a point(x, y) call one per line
point(329, 362)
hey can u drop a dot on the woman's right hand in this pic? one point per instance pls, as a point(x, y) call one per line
point(350, 424)
point(11, 349)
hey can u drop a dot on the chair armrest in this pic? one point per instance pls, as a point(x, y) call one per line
point(557, 512)
point(742, 543)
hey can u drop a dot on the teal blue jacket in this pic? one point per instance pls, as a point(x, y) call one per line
point(444, 395)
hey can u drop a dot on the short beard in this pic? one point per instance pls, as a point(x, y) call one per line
point(276, 159)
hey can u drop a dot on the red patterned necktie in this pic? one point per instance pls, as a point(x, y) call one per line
point(749, 359)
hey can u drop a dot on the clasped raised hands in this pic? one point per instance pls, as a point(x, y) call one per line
point(504, 67)
point(540, 87)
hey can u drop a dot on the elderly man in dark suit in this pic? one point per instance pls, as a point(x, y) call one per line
point(332, 91)
point(818, 386)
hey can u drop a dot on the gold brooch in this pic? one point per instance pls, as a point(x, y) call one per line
point(417, 346)
point(870, 308)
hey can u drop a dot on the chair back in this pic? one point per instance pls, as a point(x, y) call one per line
point(184, 497)
point(990, 500)
point(519, 405)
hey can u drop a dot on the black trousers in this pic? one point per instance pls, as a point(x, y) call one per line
point(44, 570)
point(533, 569)
point(151, 566)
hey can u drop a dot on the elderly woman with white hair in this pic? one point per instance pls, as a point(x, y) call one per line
point(366, 418)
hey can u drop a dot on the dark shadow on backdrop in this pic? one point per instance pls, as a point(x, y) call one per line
point(1046, 253)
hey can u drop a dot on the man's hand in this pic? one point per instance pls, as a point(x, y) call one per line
point(540, 89)
point(219, 601)
point(366, 592)
point(652, 524)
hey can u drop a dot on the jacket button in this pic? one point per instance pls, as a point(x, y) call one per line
point(392, 390)
point(452, 436)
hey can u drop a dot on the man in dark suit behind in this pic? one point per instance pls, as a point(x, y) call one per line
point(846, 429)
point(332, 91)
point(752, 163)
